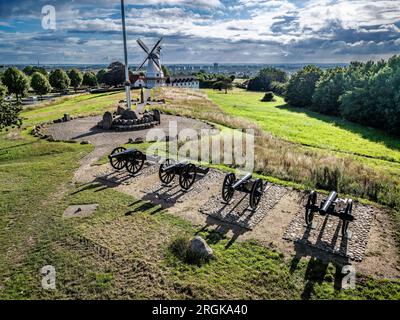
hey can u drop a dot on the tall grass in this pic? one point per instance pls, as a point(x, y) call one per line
point(313, 168)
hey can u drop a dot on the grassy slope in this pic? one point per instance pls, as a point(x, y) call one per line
point(308, 128)
point(35, 189)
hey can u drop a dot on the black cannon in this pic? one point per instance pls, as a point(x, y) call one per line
point(246, 184)
point(332, 205)
point(131, 159)
point(187, 172)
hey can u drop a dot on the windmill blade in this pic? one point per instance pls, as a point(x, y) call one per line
point(143, 46)
point(156, 63)
point(156, 45)
point(142, 64)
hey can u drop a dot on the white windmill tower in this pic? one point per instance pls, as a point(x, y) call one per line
point(154, 73)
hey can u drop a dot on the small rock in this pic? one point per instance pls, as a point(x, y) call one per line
point(85, 142)
point(199, 246)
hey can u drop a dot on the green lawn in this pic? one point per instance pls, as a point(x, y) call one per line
point(84, 104)
point(308, 128)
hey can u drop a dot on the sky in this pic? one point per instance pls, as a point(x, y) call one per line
point(200, 31)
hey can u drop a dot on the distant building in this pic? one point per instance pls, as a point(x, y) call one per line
point(183, 82)
point(138, 82)
point(216, 67)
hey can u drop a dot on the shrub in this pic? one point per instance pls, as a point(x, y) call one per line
point(264, 79)
point(268, 97)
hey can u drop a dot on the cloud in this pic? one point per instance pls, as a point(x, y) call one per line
point(214, 30)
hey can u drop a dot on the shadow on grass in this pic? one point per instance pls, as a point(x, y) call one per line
point(371, 134)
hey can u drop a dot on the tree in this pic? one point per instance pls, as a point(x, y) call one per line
point(89, 79)
point(301, 86)
point(59, 80)
point(115, 75)
point(165, 71)
point(30, 70)
point(9, 114)
point(40, 84)
point(329, 88)
point(100, 75)
point(16, 82)
point(76, 78)
point(223, 84)
point(265, 77)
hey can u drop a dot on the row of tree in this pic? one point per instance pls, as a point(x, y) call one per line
point(365, 93)
point(19, 82)
point(215, 81)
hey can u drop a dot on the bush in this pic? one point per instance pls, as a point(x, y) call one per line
point(268, 97)
point(180, 248)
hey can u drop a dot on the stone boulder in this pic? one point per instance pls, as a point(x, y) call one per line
point(129, 115)
point(199, 247)
point(107, 121)
point(120, 110)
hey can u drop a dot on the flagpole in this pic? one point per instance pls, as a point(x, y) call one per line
point(127, 82)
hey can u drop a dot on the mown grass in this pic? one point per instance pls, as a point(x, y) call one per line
point(83, 104)
point(307, 127)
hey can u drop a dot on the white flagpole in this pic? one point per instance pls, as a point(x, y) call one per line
point(127, 82)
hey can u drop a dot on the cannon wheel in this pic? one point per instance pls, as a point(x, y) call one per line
point(116, 163)
point(227, 190)
point(256, 193)
point(345, 223)
point(135, 162)
point(187, 176)
point(166, 176)
point(312, 200)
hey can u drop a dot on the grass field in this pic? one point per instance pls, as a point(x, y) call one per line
point(35, 188)
point(83, 104)
point(308, 128)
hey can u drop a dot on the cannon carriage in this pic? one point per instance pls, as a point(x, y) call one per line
point(186, 171)
point(255, 188)
point(332, 205)
point(130, 159)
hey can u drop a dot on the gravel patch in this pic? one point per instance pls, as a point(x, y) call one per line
point(237, 211)
point(326, 232)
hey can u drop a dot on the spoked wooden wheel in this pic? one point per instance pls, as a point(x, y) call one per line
point(135, 162)
point(227, 190)
point(312, 200)
point(256, 193)
point(118, 163)
point(187, 176)
point(166, 176)
point(345, 223)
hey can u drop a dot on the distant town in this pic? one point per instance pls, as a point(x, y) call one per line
point(243, 71)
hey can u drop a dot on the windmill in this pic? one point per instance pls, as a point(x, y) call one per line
point(154, 74)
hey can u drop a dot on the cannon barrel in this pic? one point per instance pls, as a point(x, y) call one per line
point(328, 202)
point(125, 152)
point(173, 166)
point(246, 178)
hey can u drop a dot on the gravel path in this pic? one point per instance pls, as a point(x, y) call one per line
point(84, 129)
